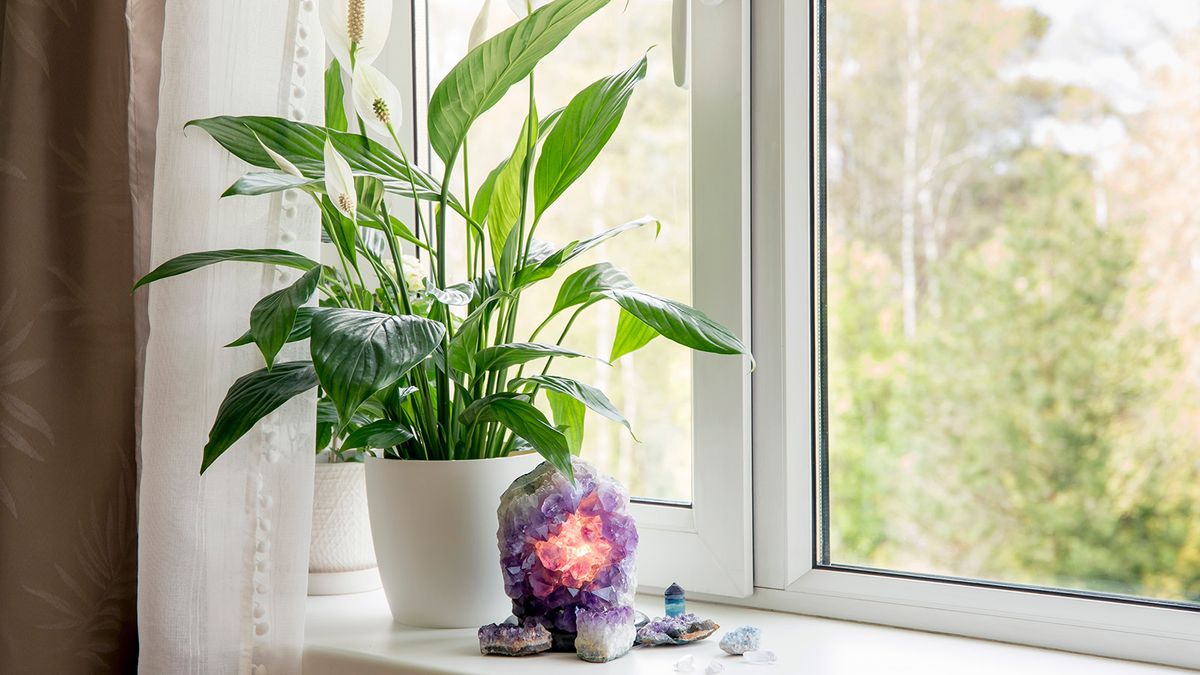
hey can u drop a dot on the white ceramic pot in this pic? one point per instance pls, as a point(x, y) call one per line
point(434, 525)
point(341, 556)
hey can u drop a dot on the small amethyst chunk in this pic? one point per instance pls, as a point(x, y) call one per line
point(676, 630)
point(603, 634)
point(564, 547)
point(505, 639)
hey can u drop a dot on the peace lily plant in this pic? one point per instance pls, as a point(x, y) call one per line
point(414, 360)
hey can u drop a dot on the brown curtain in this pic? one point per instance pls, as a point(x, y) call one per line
point(67, 339)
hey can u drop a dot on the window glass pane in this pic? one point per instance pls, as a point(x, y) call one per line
point(645, 169)
point(1013, 291)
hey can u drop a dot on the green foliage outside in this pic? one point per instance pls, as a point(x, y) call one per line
point(1022, 414)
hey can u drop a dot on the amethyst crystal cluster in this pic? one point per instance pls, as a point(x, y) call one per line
point(565, 547)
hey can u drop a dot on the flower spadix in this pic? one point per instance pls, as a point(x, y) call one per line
point(364, 23)
point(523, 8)
point(280, 161)
point(339, 182)
point(376, 99)
point(479, 29)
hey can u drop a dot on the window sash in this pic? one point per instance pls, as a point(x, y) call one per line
point(787, 485)
point(706, 546)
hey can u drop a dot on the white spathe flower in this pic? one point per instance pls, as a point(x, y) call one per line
point(376, 99)
point(280, 161)
point(339, 182)
point(523, 8)
point(414, 272)
point(365, 22)
point(479, 29)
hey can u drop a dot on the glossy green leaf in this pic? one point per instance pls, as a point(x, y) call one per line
point(335, 98)
point(194, 261)
point(265, 182)
point(677, 322)
point(529, 423)
point(586, 394)
point(251, 398)
point(482, 77)
point(377, 434)
point(342, 231)
point(483, 196)
point(632, 335)
point(546, 268)
point(582, 131)
point(464, 344)
point(505, 206)
point(358, 352)
point(568, 418)
point(516, 353)
point(585, 283)
point(300, 329)
point(303, 145)
point(274, 317)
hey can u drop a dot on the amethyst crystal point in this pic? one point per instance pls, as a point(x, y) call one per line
point(506, 639)
point(603, 634)
point(565, 547)
point(675, 630)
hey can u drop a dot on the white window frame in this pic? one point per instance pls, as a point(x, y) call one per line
point(706, 545)
point(786, 574)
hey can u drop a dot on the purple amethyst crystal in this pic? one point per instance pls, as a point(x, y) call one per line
point(506, 639)
point(565, 547)
point(604, 634)
point(675, 630)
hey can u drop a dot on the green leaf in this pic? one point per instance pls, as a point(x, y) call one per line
point(335, 98)
point(463, 346)
point(377, 434)
point(193, 261)
point(357, 352)
point(677, 322)
point(482, 77)
point(251, 398)
point(342, 231)
point(483, 196)
point(370, 191)
point(516, 353)
point(527, 422)
point(546, 268)
point(586, 283)
point(568, 417)
point(632, 335)
point(586, 394)
point(505, 206)
point(265, 182)
point(274, 317)
point(584, 128)
point(304, 145)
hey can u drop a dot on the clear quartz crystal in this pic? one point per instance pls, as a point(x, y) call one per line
point(685, 665)
point(760, 657)
point(713, 668)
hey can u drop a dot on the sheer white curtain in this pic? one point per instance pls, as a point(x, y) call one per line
point(223, 558)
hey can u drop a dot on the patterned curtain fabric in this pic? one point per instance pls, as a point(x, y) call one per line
point(223, 558)
point(67, 348)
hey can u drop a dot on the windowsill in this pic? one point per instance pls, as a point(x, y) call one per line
point(355, 634)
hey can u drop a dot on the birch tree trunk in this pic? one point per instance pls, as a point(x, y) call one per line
point(908, 198)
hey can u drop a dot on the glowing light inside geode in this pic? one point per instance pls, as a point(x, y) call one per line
point(577, 552)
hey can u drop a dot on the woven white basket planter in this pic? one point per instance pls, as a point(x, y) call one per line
point(341, 557)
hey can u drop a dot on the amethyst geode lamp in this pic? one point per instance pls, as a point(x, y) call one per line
point(565, 547)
